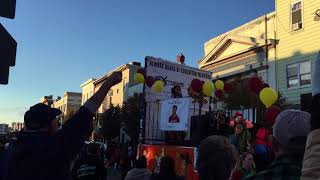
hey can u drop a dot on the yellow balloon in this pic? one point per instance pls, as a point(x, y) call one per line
point(139, 78)
point(268, 96)
point(158, 86)
point(219, 85)
point(208, 88)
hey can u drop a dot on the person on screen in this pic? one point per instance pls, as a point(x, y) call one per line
point(176, 92)
point(174, 118)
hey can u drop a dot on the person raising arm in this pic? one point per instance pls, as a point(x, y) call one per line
point(42, 151)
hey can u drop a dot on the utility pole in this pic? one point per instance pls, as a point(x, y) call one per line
point(8, 46)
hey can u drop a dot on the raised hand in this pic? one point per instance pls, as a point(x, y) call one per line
point(96, 100)
point(114, 78)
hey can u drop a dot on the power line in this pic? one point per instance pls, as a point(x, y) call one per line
point(13, 108)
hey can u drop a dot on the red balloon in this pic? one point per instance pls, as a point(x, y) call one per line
point(141, 70)
point(228, 87)
point(261, 86)
point(255, 85)
point(271, 114)
point(180, 58)
point(150, 81)
point(196, 85)
point(219, 94)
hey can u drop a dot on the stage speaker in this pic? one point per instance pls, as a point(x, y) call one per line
point(198, 129)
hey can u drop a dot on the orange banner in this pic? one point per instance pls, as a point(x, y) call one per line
point(184, 158)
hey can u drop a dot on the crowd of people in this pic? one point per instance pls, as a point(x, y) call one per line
point(95, 159)
point(286, 149)
point(275, 153)
point(222, 158)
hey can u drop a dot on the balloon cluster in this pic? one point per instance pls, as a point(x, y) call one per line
point(207, 88)
point(200, 88)
point(139, 76)
point(268, 97)
point(222, 89)
point(195, 90)
point(155, 84)
point(219, 89)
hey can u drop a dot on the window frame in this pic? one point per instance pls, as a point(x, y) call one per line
point(302, 15)
point(287, 74)
point(301, 74)
point(298, 64)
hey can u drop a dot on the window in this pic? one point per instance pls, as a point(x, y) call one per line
point(296, 16)
point(110, 93)
point(299, 74)
point(124, 84)
point(292, 75)
point(117, 91)
point(305, 73)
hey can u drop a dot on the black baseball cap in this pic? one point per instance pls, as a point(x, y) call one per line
point(39, 116)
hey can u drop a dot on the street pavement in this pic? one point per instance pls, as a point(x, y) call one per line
point(113, 174)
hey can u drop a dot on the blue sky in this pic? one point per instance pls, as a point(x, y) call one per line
point(62, 43)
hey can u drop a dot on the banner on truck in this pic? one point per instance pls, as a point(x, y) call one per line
point(184, 158)
point(174, 114)
point(177, 78)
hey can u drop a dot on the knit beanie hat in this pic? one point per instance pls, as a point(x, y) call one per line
point(290, 124)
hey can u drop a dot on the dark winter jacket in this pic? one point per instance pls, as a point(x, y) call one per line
point(89, 168)
point(44, 156)
point(138, 174)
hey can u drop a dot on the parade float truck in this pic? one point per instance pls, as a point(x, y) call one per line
point(180, 108)
point(173, 94)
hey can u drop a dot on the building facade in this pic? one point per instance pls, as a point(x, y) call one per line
point(235, 54)
point(138, 88)
point(68, 104)
point(298, 32)
point(118, 93)
point(17, 126)
point(48, 100)
point(281, 46)
point(4, 128)
point(87, 89)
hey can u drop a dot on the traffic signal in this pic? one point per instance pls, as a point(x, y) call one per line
point(8, 46)
point(8, 8)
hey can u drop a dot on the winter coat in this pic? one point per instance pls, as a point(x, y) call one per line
point(43, 156)
point(89, 168)
point(138, 174)
point(311, 162)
